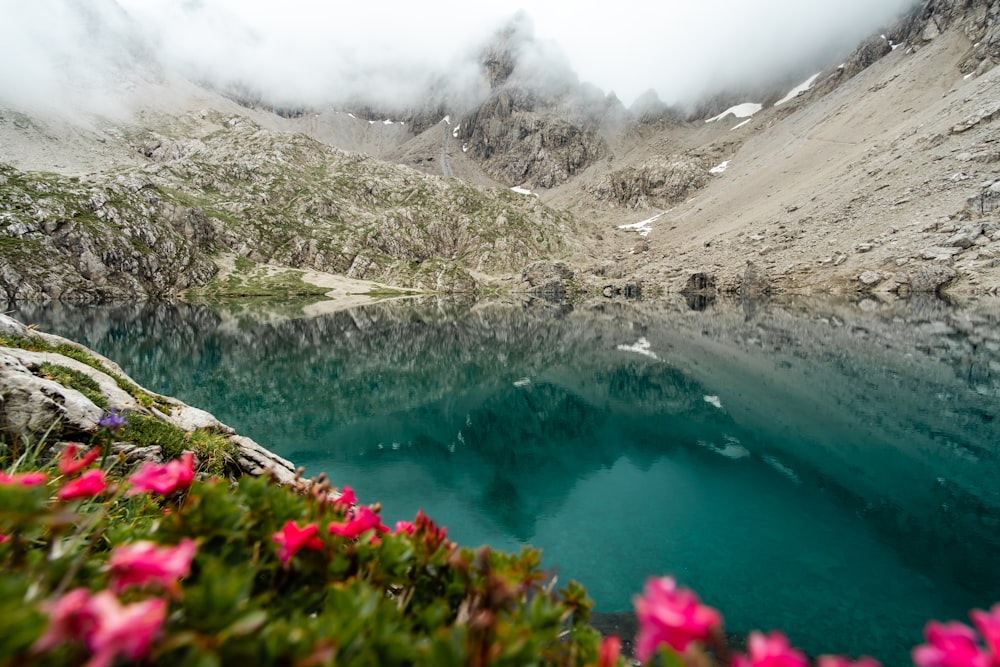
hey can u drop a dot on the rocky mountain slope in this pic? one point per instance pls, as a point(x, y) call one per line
point(878, 174)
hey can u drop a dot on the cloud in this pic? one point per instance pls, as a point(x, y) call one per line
point(321, 52)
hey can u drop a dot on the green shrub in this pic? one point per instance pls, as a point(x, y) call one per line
point(353, 594)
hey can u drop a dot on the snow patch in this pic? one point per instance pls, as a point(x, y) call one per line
point(446, 120)
point(892, 44)
point(732, 449)
point(713, 400)
point(644, 227)
point(739, 125)
point(744, 110)
point(519, 190)
point(782, 468)
point(523, 382)
point(719, 168)
point(641, 346)
point(454, 132)
point(798, 90)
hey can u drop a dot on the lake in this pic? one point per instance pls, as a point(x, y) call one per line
point(827, 468)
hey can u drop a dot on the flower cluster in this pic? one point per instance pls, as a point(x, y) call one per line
point(155, 567)
point(672, 616)
point(163, 569)
point(104, 625)
point(143, 564)
point(673, 619)
point(163, 479)
point(955, 644)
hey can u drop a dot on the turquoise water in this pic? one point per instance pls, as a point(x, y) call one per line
point(827, 469)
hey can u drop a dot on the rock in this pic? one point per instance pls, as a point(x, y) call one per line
point(257, 460)
point(699, 283)
point(863, 247)
point(939, 253)
point(544, 272)
point(966, 237)
point(31, 405)
point(134, 454)
point(870, 278)
point(658, 181)
point(987, 201)
point(546, 279)
point(755, 281)
point(930, 278)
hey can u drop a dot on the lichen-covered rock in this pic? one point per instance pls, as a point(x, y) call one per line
point(32, 405)
point(660, 181)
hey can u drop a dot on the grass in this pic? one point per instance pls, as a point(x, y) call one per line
point(216, 454)
point(249, 279)
point(74, 379)
point(382, 292)
point(83, 356)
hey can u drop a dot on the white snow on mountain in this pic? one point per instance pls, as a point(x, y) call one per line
point(644, 227)
point(797, 90)
point(719, 168)
point(744, 110)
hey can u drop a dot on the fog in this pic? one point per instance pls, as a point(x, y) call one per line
point(80, 53)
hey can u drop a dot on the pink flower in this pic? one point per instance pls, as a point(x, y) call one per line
point(87, 485)
point(291, 538)
point(771, 650)
point(843, 661)
point(70, 465)
point(143, 563)
point(434, 536)
point(611, 648)
point(404, 527)
point(346, 498)
point(949, 645)
point(988, 623)
point(108, 628)
point(4, 538)
point(164, 479)
point(672, 616)
point(23, 478)
point(70, 619)
point(361, 520)
point(125, 630)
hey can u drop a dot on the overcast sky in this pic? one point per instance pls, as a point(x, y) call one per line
point(315, 51)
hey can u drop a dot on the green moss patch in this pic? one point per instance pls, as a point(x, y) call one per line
point(74, 379)
point(216, 454)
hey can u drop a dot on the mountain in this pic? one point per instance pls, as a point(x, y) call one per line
point(875, 173)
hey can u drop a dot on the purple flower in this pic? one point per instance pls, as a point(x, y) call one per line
point(112, 421)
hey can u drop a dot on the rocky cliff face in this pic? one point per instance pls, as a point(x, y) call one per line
point(114, 237)
point(539, 126)
point(227, 184)
point(880, 177)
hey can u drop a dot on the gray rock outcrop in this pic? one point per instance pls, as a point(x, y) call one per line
point(32, 405)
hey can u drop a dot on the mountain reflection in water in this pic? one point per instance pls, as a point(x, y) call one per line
point(826, 468)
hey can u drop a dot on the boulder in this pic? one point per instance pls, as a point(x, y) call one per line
point(31, 405)
point(929, 278)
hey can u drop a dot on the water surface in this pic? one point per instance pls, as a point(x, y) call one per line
point(828, 469)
